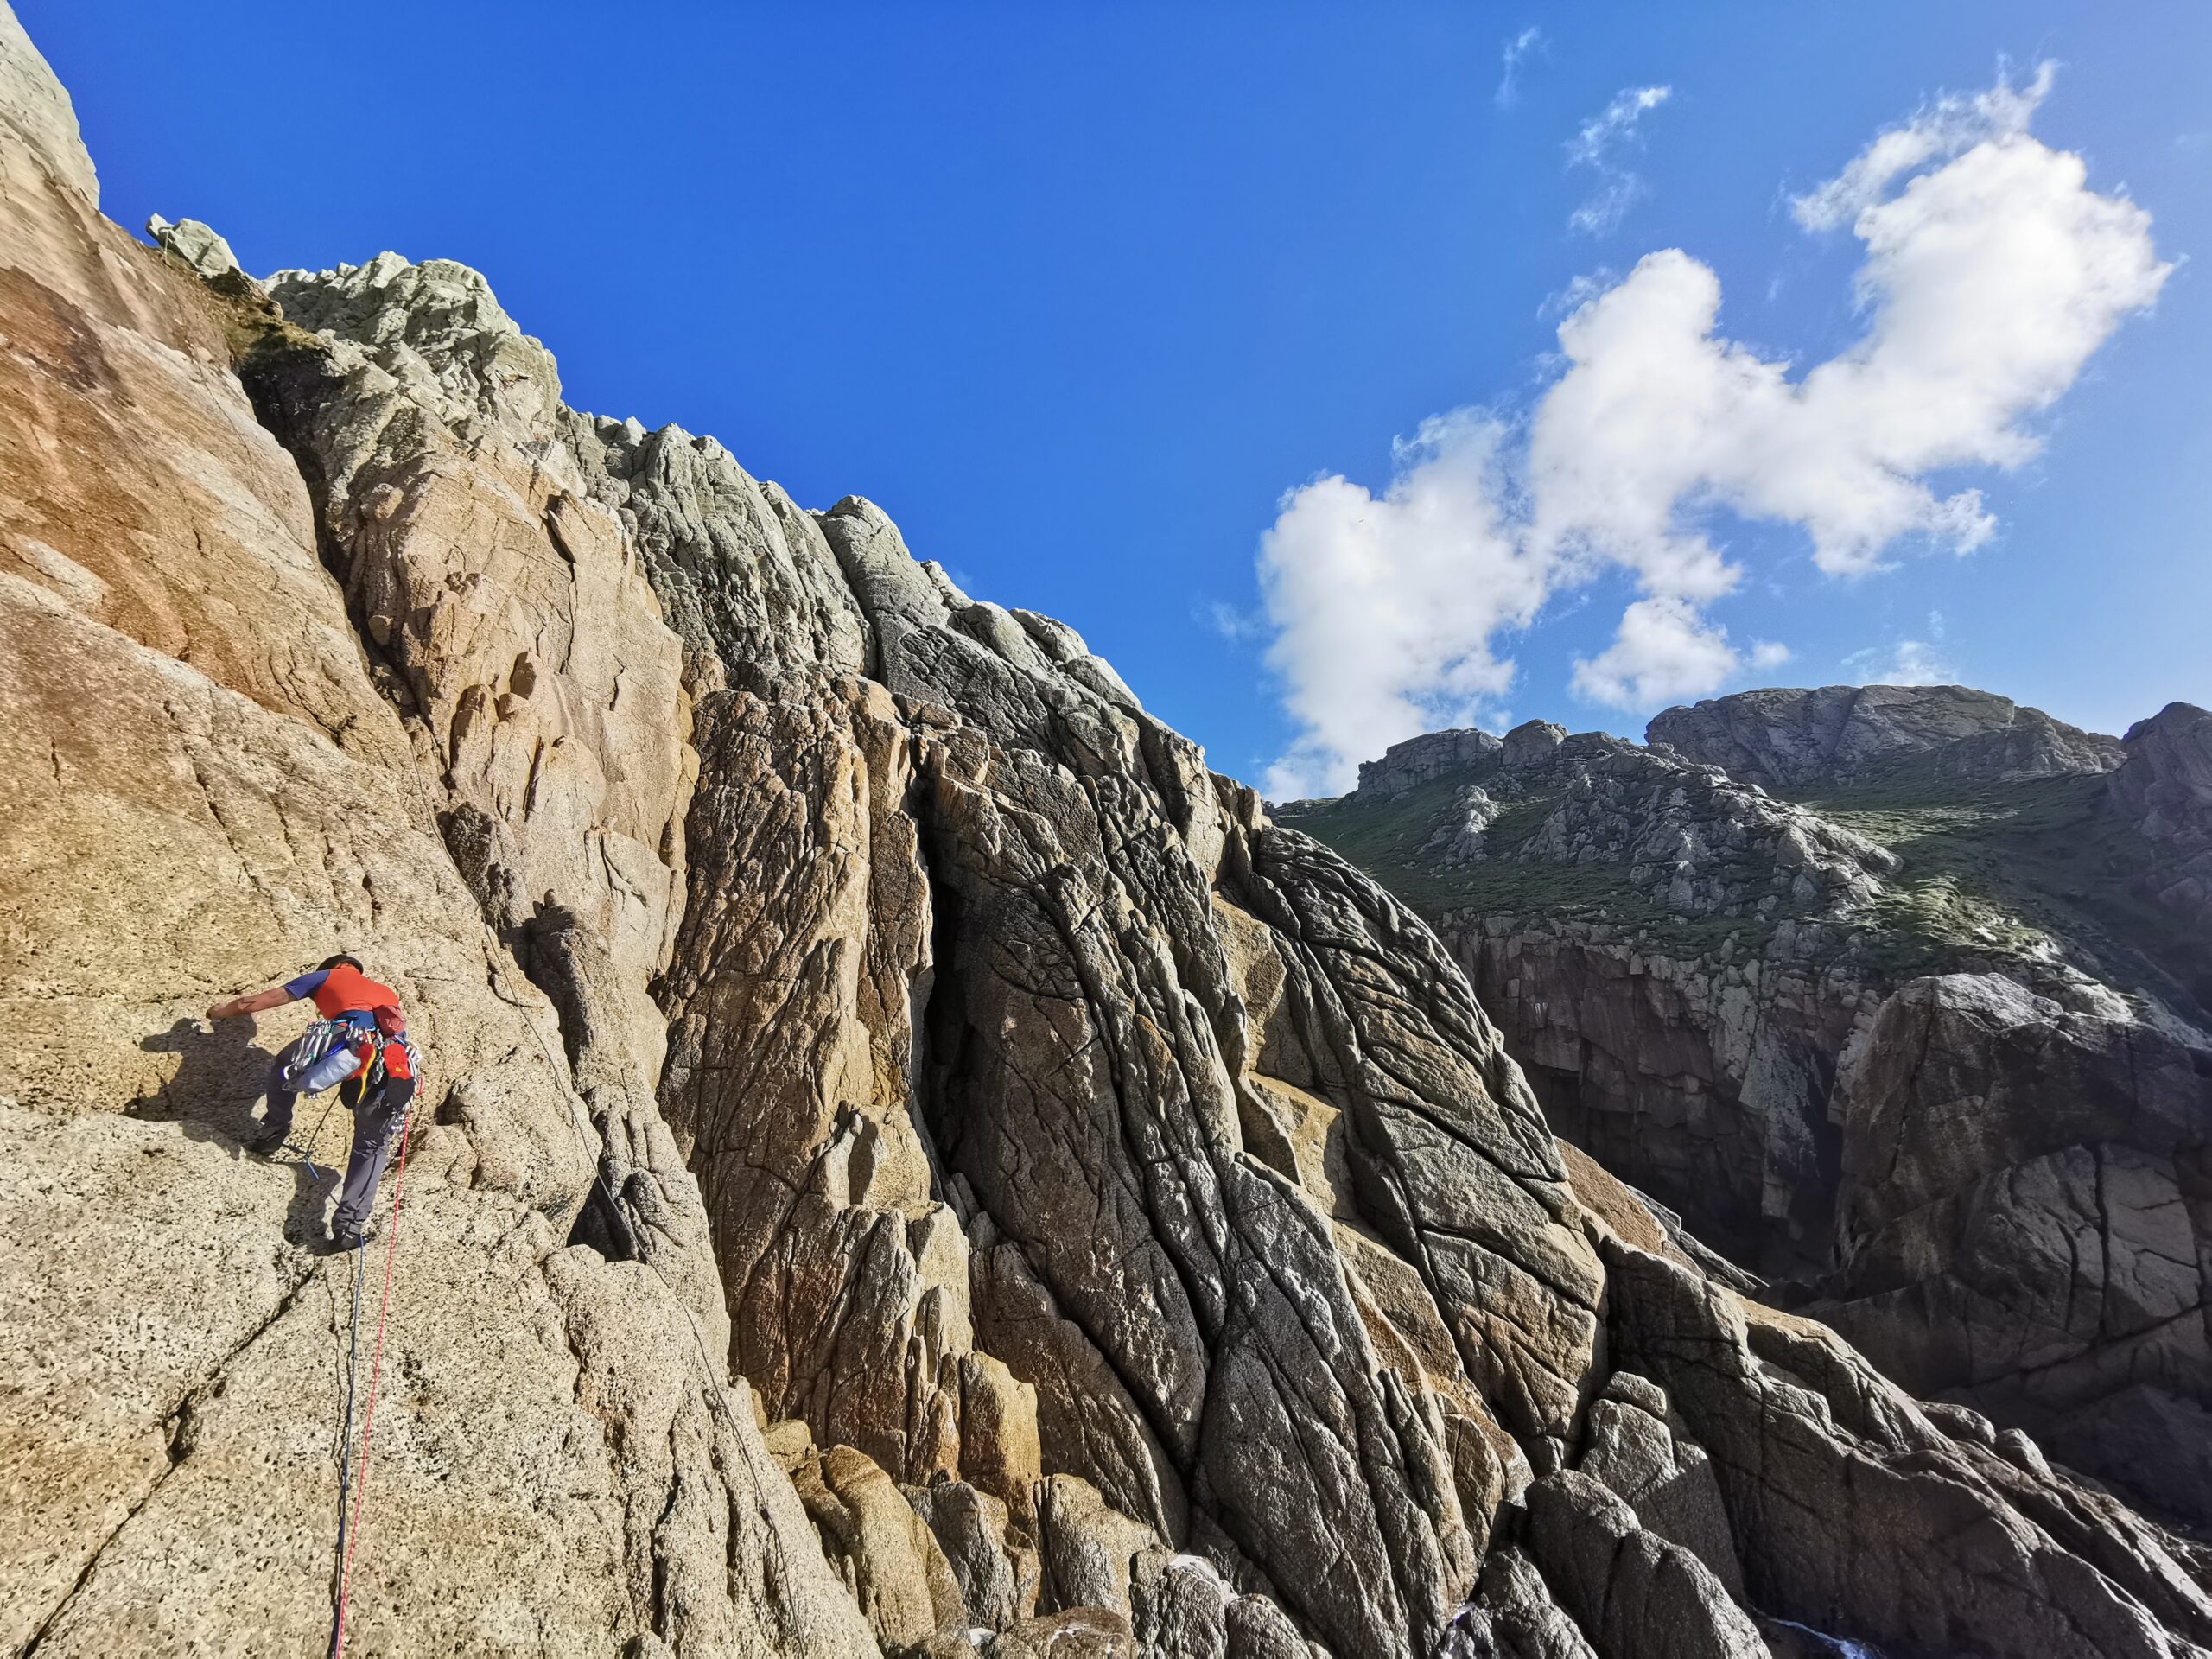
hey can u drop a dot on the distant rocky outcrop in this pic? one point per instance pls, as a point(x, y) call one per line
point(1425, 758)
point(2164, 790)
point(1706, 1083)
point(911, 1161)
point(1733, 1001)
point(1789, 741)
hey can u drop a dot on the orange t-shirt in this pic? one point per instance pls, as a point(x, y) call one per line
point(341, 990)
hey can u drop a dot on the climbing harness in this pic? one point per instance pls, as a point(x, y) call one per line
point(371, 1077)
point(349, 1524)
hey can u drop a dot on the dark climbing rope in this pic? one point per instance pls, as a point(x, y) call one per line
point(345, 1435)
point(349, 1528)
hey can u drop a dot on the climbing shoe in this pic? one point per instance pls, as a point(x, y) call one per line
point(268, 1143)
point(344, 1240)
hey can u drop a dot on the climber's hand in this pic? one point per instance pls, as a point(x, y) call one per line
point(275, 997)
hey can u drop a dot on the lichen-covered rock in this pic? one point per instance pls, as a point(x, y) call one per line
point(746, 578)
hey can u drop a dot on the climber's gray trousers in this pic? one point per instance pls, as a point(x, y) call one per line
point(376, 1132)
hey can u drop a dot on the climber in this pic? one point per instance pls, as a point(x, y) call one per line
point(360, 1044)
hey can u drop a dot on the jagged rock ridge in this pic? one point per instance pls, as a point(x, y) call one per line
point(1129, 1225)
point(1786, 739)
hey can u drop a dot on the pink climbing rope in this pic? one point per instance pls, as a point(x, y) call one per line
point(369, 1414)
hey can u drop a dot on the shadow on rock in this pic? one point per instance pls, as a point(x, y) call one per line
point(213, 1096)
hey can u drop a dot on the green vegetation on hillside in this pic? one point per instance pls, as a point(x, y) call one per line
point(2010, 869)
point(1993, 872)
point(1386, 838)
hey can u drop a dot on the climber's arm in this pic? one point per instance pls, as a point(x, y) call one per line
point(275, 997)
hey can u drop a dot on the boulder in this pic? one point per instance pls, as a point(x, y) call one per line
point(1634, 1592)
point(887, 1552)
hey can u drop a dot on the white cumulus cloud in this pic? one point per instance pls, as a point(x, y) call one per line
point(1990, 273)
point(1666, 652)
point(1905, 662)
point(1385, 606)
point(1952, 125)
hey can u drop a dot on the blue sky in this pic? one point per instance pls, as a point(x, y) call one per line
point(1078, 294)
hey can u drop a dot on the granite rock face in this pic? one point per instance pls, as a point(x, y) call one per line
point(911, 1160)
point(744, 578)
point(1791, 739)
point(1703, 1080)
point(212, 788)
point(1928, 1542)
point(41, 122)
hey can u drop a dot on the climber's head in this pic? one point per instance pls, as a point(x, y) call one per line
point(329, 962)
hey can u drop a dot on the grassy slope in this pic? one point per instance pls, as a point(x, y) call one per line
point(1385, 839)
point(2001, 868)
